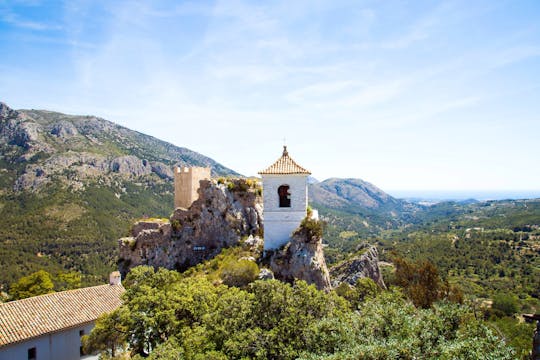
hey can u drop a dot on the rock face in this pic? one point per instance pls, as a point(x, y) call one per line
point(345, 192)
point(130, 165)
point(71, 151)
point(363, 266)
point(219, 218)
point(64, 130)
point(19, 130)
point(302, 258)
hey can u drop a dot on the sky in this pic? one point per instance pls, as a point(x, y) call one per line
point(408, 95)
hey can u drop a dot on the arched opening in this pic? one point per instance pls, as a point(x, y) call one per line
point(284, 196)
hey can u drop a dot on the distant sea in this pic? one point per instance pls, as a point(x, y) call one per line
point(480, 195)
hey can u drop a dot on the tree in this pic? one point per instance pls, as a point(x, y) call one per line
point(109, 335)
point(364, 288)
point(504, 304)
point(420, 281)
point(67, 281)
point(38, 283)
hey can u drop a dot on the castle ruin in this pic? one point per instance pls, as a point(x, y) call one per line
point(186, 183)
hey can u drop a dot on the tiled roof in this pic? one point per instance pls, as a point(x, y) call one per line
point(40, 315)
point(285, 165)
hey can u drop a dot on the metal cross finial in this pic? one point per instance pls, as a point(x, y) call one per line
point(285, 152)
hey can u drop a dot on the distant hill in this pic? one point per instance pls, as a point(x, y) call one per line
point(361, 198)
point(71, 185)
point(353, 193)
point(355, 210)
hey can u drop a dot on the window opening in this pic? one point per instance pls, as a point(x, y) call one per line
point(284, 196)
point(32, 353)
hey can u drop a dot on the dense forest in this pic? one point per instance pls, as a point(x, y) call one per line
point(167, 315)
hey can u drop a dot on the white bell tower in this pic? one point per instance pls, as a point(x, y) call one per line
point(285, 200)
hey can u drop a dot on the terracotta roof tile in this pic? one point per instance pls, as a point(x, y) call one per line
point(285, 165)
point(40, 315)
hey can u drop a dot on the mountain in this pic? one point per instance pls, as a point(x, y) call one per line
point(361, 198)
point(71, 185)
point(353, 193)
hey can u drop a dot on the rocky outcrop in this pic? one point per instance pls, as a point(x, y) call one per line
point(162, 170)
point(76, 151)
point(86, 166)
point(362, 266)
point(130, 165)
point(219, 218)
point(64, 130)
point(17, 129)
point(302, 258)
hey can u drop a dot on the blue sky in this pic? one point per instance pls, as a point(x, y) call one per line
point(407, 95)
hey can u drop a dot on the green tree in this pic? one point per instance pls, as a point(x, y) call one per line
point(505, 304)
point(420, 281)
point(391, 327)
point(109, 334)
point(364, 287)
point(38, 283)
point(67, 281)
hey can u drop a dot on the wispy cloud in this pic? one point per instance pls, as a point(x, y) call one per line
point(325, 73)
point(18, 21)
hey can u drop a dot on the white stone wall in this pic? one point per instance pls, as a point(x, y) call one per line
point(279, 223)
point(62, 345)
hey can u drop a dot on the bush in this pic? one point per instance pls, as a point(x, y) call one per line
point(507, 304)
point(239, 273)
point(312, 229)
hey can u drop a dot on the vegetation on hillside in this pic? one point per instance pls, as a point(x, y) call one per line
point(488, 250)
point(72, 204)
point(41, 282)
point(169, 316)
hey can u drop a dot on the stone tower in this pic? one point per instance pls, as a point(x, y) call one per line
point(186, 184)
point(285, 200)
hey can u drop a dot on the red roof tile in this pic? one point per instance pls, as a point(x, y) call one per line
point(40, 315)
point(285, 165)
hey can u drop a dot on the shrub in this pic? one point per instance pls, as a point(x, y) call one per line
point(313, 229)
point(239, 272)
point(507, 304)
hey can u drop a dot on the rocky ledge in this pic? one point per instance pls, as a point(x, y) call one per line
point(223, 214)
point(365, 265)
point(303, 257)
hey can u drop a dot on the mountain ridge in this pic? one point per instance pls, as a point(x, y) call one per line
point(71, 185)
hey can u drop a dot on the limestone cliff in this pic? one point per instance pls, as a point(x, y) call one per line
point(223, 214)
point(362, 266)
point(303, 257)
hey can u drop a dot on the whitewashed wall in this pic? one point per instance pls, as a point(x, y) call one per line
point(279, 223)
point(62, 345)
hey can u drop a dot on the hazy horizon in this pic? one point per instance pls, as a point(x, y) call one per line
point(480, 195)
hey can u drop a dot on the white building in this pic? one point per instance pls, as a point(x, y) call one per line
point(285, 200)
point(50, 327)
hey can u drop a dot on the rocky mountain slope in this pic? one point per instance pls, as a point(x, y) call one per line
point(356, 194)
point(71, 185)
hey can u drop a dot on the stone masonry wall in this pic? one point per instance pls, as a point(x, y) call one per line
point(186, 184)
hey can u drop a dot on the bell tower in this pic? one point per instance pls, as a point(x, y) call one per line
point(285, 199)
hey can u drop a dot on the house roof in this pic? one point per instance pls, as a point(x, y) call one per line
point(285, 165)
point(39, 315)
